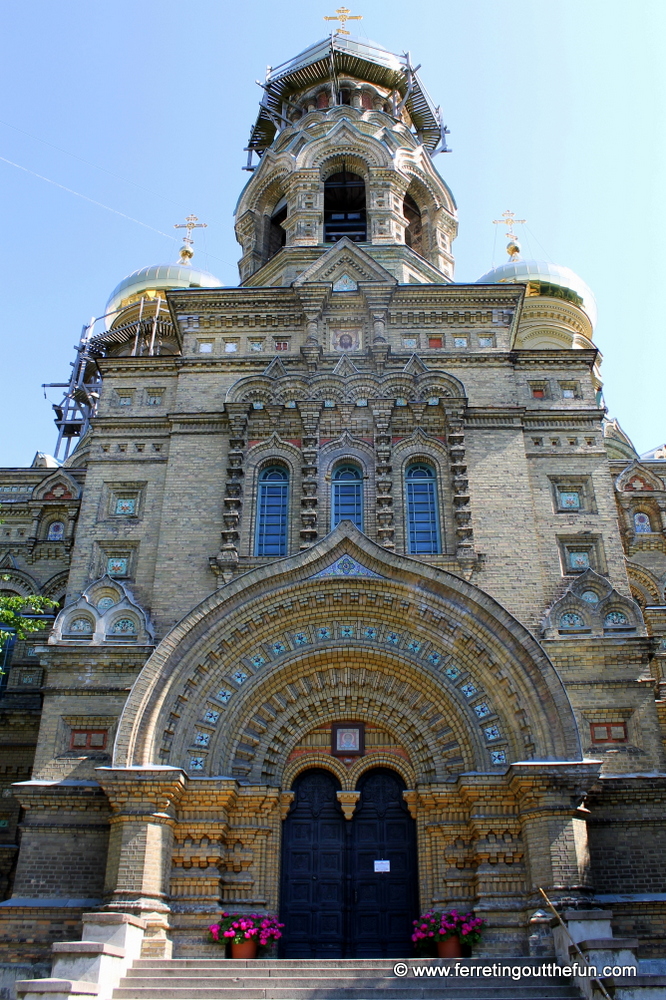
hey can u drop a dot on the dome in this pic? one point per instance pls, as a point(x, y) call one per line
point(552, 279)
point(159, 277)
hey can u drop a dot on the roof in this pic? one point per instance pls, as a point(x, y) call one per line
point(362, 60)
point(546, 274)
point(159, 277)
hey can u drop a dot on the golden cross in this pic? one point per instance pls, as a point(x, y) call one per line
point(191, 222)
point(508, 219)
point(343, 15)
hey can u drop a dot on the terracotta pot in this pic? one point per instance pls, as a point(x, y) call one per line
point(246, 949)
point(451, 948)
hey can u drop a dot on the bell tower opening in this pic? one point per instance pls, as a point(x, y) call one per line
point(344, 208)
point(414, 230)
point(277, 237)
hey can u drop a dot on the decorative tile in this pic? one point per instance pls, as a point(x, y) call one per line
point(460, 341)
point(413, 646)
point(301, 639)
point(323, 633)
point(498, 756)
point(616, 618)
point(369, 633)
point(346, 631)
point(278, 647)
point(346, 566)
point(469, 689)
point(197, 763)
point(258, 660)
point(223, 696)
point(435, 659)
point(116, 567)
point(570, 499)
point(105, 603)
point(452, 673)
point(211, 716)
point(80, 625)
point(492, 733)
point(590, 597)
point(392, 638)
point(201, 739)
point(126, 505)
point(482, 710)
point(571, 620)
point(579, 560)
point(239, 676)
point(345, 284)
point(124, 626)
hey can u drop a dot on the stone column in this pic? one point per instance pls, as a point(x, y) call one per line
point(382, 410)
point(553, 826)
point(310, 413)
point(304, 224)
point(225, 563)
point(143, 802)
point(461, 509)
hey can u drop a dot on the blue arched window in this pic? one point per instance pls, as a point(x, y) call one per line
point(422, 516)
point(272, 513)
point(347, 496)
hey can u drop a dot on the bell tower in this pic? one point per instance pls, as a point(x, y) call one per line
point(345, 137)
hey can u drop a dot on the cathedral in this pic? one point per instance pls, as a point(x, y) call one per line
point(360, 594)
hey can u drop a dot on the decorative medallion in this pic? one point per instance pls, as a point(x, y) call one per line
point(345, 284)
point(346, 566)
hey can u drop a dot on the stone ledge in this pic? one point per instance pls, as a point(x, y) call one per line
point(87, 948)
point(114, 918)
point(56, 986)
point(607, 944)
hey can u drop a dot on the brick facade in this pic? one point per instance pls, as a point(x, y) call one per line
point(513, 677)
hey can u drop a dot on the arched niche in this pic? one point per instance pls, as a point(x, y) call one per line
point(281, 635)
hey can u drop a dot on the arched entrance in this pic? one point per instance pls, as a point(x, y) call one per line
point(349, 887)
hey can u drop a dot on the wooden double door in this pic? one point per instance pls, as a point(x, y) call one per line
point(338, 900)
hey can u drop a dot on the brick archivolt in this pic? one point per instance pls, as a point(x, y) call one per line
point(349, 388)
point(347, 776)
point(404, 640)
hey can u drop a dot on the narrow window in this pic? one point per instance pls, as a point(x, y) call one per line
point(347, 496)
point(57, 531)
point(344, 208)
point(423, 533)
point(642, 523)
point(272, 512)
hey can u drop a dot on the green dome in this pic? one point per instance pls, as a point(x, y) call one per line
point(554, 280)
point(159, 277)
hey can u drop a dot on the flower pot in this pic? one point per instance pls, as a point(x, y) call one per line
point(451, 948)
point(245, 949)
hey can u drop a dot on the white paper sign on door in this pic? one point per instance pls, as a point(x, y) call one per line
point(382, 866)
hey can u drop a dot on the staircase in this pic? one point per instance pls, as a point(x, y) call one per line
point(331, 979)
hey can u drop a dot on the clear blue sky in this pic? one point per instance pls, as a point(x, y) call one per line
point(556, 111)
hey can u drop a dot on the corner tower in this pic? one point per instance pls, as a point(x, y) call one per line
point(345, 138)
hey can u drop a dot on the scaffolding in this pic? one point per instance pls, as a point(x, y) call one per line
point(147, 335)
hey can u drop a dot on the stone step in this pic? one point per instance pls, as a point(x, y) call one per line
point(314, 982)
point(332, 979)
point(289, 964)
point(445, 991)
